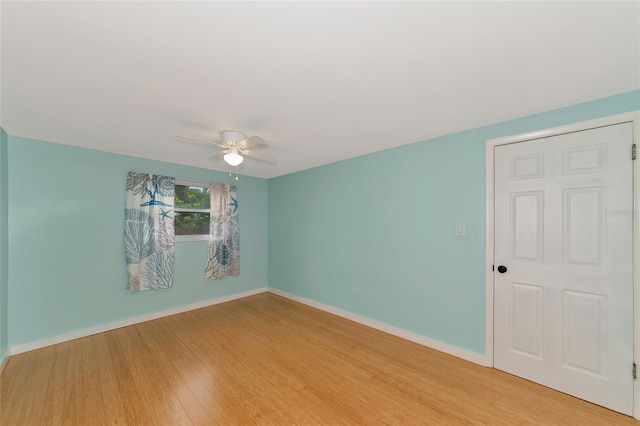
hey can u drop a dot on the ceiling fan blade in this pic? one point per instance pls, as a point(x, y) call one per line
point(199, 140)
point(259, 156)
point(218, 155)
point(252, 142)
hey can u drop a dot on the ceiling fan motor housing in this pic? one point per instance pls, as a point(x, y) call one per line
point(232, 136)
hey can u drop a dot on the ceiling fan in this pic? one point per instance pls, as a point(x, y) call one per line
point(235, 146)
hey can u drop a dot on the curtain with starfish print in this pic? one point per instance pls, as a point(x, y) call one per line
point(224, 235)
point(148, 231)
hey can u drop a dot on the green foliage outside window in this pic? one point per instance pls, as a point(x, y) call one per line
point(192, 197)
point(189, 219)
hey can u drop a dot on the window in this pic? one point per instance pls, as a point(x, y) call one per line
point(191, 211)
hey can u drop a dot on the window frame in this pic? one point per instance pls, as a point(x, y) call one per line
point(194, 237)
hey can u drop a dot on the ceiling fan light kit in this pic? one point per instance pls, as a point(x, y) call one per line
point(231, 139)
point(233, 158)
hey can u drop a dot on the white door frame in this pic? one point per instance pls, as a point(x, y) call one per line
point(633, 117)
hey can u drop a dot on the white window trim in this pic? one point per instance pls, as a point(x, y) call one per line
point(190, 238)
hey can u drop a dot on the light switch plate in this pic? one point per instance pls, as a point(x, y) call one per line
point(461, 230)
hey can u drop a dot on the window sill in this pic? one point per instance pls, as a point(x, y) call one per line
point(191, 238)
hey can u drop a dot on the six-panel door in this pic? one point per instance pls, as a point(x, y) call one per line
point(563, 314)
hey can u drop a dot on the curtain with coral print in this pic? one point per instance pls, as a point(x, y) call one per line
point(224, 235)
point(148, 231)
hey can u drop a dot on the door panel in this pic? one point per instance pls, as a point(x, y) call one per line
point(585, 334)
point(563, 310)
point(526, 225)
point(526, 319)
point(583, 231)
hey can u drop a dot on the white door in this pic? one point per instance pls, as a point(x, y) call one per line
point(563, 309)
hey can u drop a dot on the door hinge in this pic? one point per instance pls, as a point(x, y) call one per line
point(633, 371)
point(633, 151)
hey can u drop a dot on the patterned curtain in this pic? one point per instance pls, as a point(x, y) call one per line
point(224, 237)
point(148, 231)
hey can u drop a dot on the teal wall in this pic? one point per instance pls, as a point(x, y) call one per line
point(66, 240)
point(4, 246)
point(386, 222)
point(383, 221)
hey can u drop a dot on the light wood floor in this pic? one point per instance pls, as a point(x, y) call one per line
point(267, 360)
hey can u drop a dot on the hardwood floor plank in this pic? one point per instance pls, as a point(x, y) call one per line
point(267, 360)
point(183, 371)
point(101, 383)
point(53, 402)
point(144, 383)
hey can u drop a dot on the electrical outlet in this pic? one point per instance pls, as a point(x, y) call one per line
point(354, 288)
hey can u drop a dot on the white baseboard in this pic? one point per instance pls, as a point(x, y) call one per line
point(404, 334)
point(3, 360)
point(25, 347)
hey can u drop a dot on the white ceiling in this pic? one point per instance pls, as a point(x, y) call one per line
point(321, 81)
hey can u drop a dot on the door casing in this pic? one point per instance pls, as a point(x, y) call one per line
point(633, 117)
